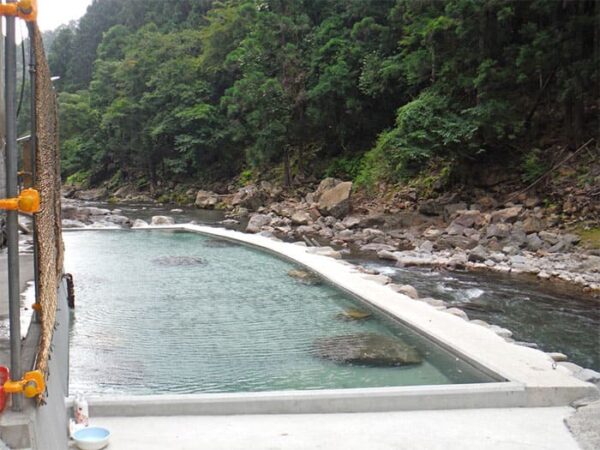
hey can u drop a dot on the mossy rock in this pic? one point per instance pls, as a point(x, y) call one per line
point(353, 314)
point(590, 238)
point(367, 349)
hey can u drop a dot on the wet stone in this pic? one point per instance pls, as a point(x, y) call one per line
point(368, 349)
point(305, 277)
point(178, 261)
point(353, 314)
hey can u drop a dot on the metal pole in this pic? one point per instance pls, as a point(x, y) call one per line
point(33, 142)
point(12, 216)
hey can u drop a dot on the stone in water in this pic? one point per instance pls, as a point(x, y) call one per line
point(367, 349)
point(174, 261)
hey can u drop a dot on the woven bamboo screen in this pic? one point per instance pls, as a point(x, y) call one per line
point(47, 180)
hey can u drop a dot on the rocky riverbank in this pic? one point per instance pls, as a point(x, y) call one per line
point(517, 237)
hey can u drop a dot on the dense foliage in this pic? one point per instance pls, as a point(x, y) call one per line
point(370, 89)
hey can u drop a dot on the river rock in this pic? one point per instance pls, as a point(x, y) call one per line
point(405, 289)
point(162, 220)
point(455, 230)
point(351, 221)
point(353, 314)
point(325, 185)
point(70, 223)
point(571, 238)
point(534, 243)
point(229, 222)
point(139, 223)
point(469, 218)
point(91, 194)
point(462, 242)
point(304, 276)
point(426, 247)
point(249, 197)
point(206, 199)
point(458, 313)
point(301, 218)
point(499, 230)
point(377, 248)
point(548, 237)
point(118, 219)
point(533, 224)
point(450, 209)
point(431, 208)
point(487, 203)
point(557, 356)
point(93, 211)
point(175, 261)
point(336, 201)
point(256, 222)
point(71, 212)
point(478, 254)
point(507, 215)
point(325, 251)
point(500, 331)
point(368, 349)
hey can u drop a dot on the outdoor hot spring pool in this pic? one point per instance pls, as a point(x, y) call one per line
point(180, 312)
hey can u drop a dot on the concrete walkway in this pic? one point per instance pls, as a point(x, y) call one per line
point(508, 428)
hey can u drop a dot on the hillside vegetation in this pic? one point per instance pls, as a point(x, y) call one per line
point(371, 90)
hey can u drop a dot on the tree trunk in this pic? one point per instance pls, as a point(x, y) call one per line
point(287, 172)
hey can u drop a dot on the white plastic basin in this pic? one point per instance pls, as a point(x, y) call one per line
point(92, 438)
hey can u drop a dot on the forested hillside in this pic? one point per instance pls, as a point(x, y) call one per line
point(198, 91)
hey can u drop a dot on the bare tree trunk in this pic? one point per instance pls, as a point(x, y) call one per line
point(287, 172)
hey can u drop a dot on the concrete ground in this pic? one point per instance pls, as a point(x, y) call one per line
point(585, 425)
point(508, 428)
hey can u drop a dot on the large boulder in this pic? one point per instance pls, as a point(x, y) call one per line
point(91, 194)
point(139, 223)
point(162, 220)
point(508, 215)
point(249, 197)
point(206, 200)
point(469, 218)
point(336, 201)
point(256, 222)
point(325, 185)
point(368, 349)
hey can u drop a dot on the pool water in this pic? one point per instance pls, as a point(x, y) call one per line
point(179, 312)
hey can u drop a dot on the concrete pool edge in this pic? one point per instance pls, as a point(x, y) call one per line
point(356, 400)
point(534, 380)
